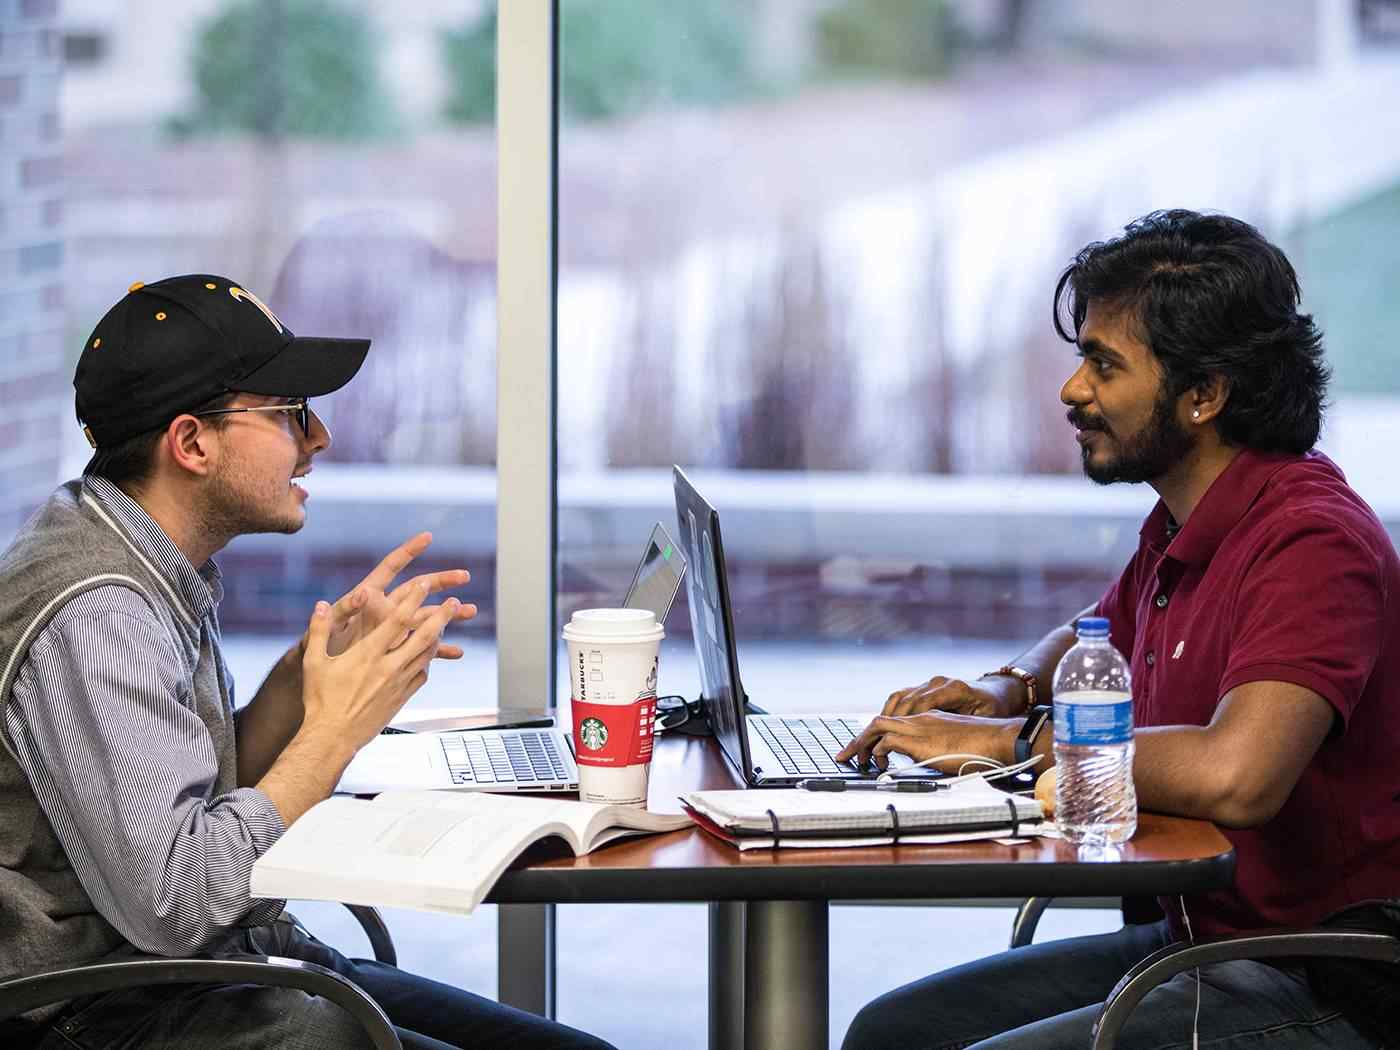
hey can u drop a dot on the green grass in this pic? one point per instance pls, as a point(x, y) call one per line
point(1349, 266)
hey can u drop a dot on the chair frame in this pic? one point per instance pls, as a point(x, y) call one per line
point(22, 994)
point(1165, 963)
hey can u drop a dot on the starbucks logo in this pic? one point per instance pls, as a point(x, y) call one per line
point(594, 734)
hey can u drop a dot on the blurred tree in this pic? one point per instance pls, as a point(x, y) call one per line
point(900, 38)
point(469, 54)
point(798, 372)
point(302, 68)
point(618, 58)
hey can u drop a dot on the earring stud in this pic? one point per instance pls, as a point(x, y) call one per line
point(1195, 413)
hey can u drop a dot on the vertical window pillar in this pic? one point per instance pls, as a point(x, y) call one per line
point(527, 135)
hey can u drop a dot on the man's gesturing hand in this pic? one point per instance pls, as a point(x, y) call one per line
point(952, 694)
point(353, 695)
point(365, 606)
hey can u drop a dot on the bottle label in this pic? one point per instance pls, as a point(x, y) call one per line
point(1093, 719)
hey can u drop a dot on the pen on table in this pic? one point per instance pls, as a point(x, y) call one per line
point(820, 784)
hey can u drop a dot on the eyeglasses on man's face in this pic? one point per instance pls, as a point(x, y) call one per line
point(301, 408)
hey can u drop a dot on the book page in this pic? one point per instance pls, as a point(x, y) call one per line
point(608, 823)
point(435, 850)
point(441, 852)
point(585, 820)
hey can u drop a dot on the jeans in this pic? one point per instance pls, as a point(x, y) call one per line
point(427, 1014)
point(1047, 996)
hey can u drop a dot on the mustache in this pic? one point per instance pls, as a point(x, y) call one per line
point(1081, 419)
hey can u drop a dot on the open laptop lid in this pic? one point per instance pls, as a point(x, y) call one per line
point(658, 577)
point(712, 624)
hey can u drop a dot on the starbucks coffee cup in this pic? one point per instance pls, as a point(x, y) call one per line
point(612, 676)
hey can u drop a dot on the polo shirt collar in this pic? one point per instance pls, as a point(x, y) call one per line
point(200, 589)
point(1220, 510)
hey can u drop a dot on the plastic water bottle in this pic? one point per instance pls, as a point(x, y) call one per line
point(1095, 804)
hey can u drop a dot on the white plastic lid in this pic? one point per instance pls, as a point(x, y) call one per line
point(620, 625)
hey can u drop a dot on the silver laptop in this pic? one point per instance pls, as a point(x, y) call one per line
point(525, 759)
point(762, 750)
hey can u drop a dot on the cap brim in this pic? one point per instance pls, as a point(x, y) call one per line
point(307, 368)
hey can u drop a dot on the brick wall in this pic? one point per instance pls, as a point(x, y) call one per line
point(35, 396)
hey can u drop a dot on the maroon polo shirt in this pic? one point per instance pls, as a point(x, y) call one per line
point(1282, 573)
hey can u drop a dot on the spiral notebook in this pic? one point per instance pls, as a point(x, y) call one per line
point(971, 809)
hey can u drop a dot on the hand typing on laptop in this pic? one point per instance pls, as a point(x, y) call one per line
point(931, 733)
point(998, 697)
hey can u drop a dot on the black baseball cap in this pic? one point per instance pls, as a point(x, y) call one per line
point(170, 346)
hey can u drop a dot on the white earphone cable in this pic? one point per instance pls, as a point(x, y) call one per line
point(1196, 1020)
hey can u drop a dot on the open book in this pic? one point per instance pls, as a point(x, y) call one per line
point(430, 850)
point(971, 809)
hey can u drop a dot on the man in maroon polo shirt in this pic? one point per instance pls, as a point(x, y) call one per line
point(1261, 613)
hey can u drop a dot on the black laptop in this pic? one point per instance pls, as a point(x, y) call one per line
point(763, 750)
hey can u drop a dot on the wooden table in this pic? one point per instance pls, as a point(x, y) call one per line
point(768, 955)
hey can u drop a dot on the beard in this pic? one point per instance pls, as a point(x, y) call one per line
point(1148, 455)
point(237, 503)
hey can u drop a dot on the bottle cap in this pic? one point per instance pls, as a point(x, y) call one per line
point(1092, 626)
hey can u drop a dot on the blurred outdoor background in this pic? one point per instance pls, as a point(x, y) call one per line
point(807, 250)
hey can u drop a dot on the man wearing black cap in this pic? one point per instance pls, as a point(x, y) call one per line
point(134, 799)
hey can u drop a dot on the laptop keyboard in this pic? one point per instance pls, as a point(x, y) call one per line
point(808, 745)
point(502, 757)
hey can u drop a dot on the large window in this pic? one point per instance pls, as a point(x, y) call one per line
point(807, 252)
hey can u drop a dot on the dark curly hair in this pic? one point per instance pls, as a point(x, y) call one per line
point(1210, 295)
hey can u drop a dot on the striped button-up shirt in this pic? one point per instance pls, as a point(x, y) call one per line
point(104, 725)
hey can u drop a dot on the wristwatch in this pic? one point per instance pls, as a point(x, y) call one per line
point(1036, 719)
point(1023, 676)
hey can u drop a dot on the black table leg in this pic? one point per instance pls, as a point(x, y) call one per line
point(786, 975)
point(727, 974)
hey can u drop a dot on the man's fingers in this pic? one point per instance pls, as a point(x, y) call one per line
point(318, 632)
point(914, 701)
point(464, 611)
point(862, 745)
point(439, 581)
point(348, 605)
point(903, 743)
point(396, 561)
point(857, 747)
point(916, 698)
point(938, 694)
point(866, 749)
point(399, 620)
point(423, 642)
point(854, 747)
point(450, 652)
point(896, 698)
point(378, 610)
point(870, 743)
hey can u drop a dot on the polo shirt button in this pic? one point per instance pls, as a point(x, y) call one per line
point(1161, 601)
point(1151, 659)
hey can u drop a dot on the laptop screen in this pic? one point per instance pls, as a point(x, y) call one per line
point(658, 576)
point(711, 622)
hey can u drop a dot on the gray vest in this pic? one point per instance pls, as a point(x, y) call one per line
point(69, 547)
